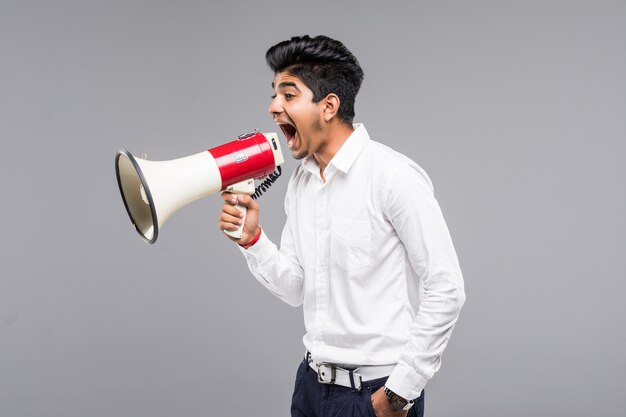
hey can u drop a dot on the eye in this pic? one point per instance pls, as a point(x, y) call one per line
point(273, 96)
point(289, 96)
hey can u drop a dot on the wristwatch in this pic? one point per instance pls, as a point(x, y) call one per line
point(397, 402)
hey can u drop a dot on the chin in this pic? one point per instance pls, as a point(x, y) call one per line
point(298, 155)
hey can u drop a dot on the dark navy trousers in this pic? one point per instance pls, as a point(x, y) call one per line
point(313, 399)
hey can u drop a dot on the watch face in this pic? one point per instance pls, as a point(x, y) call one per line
point(397, 405)
point(397, 402)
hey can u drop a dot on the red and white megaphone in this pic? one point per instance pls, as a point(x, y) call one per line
point(153, 190)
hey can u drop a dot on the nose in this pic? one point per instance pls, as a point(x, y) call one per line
point(275, 107)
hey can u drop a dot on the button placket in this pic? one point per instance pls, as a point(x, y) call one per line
point(321, 255)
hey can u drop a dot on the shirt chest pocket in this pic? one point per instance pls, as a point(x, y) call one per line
point(350, 243)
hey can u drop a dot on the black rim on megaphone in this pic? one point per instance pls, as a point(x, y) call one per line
point(155, 224)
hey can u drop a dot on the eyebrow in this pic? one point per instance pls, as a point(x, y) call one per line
point(285, 84)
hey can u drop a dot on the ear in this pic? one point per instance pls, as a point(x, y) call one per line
point(331, 106)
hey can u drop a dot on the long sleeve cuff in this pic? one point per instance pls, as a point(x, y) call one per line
point(405, 382)
point(262, 249)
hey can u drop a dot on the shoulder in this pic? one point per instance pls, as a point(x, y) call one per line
point(393, 167)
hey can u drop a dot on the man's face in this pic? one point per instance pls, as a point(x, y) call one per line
point(300, 119)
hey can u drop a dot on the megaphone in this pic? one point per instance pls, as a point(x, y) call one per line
point(154, 190)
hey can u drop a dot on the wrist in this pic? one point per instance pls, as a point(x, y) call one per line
point(254, 240)
point(397, 402)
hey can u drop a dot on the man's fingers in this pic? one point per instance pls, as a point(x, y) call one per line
point(228, 223)
point(227, 226)
point(231, 210)
point(232, 216)
point(229, 198)
point(241, 199)
point(248, 201)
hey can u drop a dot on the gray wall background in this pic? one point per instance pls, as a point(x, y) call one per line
point(515, 108)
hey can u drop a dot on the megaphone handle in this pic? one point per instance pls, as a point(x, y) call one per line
point(243, 187)
point(238, 233)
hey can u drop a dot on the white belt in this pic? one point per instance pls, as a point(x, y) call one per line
point(328, 373)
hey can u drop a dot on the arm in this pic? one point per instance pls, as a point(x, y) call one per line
point(277, 270)
point(415, 214)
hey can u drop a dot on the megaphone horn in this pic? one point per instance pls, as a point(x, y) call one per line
point(154, 190)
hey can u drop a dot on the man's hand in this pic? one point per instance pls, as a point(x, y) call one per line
point(230, 217)
point(382, 406)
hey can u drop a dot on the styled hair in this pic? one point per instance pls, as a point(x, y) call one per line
point(324, 65)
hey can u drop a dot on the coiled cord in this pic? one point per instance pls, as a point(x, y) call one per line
point(266, 183)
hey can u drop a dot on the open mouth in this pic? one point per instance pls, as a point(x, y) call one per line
point(290, 133)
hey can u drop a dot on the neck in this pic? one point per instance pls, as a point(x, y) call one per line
point(336, 134)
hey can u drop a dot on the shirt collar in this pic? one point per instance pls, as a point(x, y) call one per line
point(346, 155)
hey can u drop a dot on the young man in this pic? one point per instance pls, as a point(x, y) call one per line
point(365, 247)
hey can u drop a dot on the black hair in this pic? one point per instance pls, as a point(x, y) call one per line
point(324, 65)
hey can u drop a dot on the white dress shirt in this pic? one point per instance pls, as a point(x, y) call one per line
point(369, 255)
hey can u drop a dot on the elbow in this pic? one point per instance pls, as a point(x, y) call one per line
point(294, 296)
point(456, 293)
point(297, 297)
point(293, 302)
point(459, 298)
point(449, 290)
point(454, 299)
point(293, 299)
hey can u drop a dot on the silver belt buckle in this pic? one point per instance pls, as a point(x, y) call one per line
point(326, 373)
